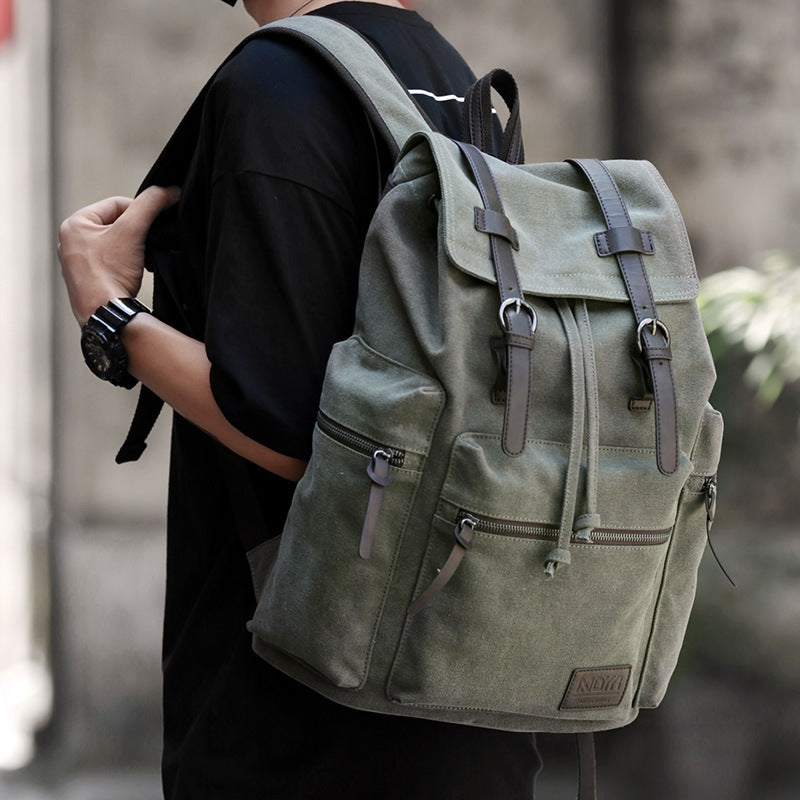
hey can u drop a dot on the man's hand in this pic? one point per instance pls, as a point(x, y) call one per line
point(101, 248)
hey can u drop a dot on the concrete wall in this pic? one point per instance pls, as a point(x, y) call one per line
point(557, 53)
point(718, 104)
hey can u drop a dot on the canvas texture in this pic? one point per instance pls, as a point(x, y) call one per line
point(502, 644)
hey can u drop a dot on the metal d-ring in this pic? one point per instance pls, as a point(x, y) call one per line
point(518, 306)
point(655, 325)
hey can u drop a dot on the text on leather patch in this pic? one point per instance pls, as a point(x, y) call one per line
point(603, 687)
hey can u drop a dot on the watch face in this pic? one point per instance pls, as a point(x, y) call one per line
point(94, 351)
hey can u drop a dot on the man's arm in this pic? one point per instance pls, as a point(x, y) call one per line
point(101, 250)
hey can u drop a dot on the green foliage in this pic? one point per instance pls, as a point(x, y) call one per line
point(757, 312)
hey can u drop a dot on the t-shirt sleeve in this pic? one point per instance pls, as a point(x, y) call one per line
point(292, 173)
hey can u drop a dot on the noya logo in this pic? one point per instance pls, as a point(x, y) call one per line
point(600, 684)
point(603, 687)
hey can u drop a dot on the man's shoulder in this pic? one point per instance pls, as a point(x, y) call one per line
point(266, 70)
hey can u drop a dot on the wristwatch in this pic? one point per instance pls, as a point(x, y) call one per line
point(101, 342)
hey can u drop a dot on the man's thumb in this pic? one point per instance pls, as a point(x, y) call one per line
point(141, 213)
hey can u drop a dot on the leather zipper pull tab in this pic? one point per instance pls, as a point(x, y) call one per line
point(378, 471)
point(464, 533)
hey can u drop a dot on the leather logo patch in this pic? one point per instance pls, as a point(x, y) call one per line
point(603, 687)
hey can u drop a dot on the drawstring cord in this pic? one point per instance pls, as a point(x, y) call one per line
point(561, 554)
point(586, 523)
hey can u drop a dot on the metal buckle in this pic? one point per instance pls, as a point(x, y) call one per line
point(655, 326)
point(519, 305)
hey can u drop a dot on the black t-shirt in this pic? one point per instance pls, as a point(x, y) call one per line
point(290, 195)
point(282, 180)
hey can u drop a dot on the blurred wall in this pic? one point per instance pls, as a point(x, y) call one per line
point(708, 91)
point(25, 386)
point(123, 75)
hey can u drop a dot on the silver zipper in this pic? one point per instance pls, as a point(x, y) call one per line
point(547, 532)
point(355, 441)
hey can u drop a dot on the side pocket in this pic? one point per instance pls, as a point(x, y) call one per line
point(323, 599)
point(679, 581)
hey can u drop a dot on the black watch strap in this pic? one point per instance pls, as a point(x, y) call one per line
point(117, 313)
point(103, 329)
point(124, 308)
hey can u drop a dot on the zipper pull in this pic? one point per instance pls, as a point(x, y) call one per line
point(378, 471)
point(710, 491)
point(464, 533)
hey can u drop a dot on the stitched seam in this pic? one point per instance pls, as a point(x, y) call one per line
point(603, 448)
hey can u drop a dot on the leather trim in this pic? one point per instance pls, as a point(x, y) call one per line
point(463, 543)
point(488, 221)
point(624, 240)
point(477, 119)
point(378, 472)
point(662, 353)
point(640, 403)
point(519, 358)
point(655, 346)
point(519, 340)
point(602, 687)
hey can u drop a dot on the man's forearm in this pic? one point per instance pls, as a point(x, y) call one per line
point(177, 369)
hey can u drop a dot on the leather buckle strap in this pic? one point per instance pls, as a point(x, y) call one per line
point(656, 354)
point(517, 305)
point(516, 316)
point(646, 332)
point(654, 325)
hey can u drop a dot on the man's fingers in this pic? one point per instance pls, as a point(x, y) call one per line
point(141, 213)
point(104, 212)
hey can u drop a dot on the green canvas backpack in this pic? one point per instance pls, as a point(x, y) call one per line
point(514, 463)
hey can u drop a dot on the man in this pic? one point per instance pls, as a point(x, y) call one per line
point(279, 178)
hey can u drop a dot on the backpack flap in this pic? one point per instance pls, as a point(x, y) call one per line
point(565, 251)
point(556, 217)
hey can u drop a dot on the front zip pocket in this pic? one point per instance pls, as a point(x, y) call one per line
point(545, 532)
point(468, 524)
point(482, 599)
point(355, 441)
point(378, 473)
